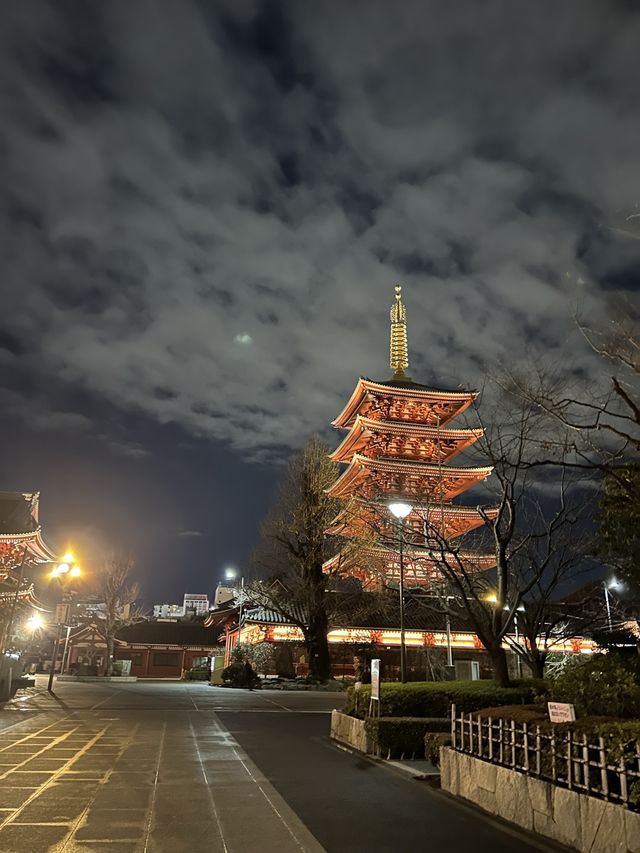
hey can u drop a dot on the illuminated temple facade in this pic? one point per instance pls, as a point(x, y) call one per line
point(399, 447)
point(21, 546)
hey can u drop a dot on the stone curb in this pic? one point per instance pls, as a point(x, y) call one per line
point(399, 767)
point(122, 679)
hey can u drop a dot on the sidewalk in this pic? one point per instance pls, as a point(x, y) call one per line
point(156, 781)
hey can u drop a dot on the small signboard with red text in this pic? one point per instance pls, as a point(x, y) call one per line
point(561, 712)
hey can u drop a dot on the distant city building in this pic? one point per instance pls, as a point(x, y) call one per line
point(196, 602)
point(223, 594)
point(168, 611)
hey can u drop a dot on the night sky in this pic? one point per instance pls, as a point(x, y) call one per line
point(205, 206)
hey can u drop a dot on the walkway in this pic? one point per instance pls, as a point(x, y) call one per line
point(171, 767)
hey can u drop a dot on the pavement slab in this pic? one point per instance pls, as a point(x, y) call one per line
point(158, 767)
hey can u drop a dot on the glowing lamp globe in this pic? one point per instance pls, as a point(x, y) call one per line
point(400, 510)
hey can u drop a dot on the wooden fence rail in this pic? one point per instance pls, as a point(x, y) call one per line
point(607, 767)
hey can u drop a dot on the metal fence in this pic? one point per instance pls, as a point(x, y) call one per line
point(607, 767)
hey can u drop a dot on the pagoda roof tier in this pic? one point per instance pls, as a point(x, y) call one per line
point(403, 401)
point(26, 596)
point(19, 526)
point(420, 567)
point(37, 549)
point(403, 439)
point(372, 518)
point(372, 478)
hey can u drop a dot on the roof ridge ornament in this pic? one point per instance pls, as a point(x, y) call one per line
point(398, 346)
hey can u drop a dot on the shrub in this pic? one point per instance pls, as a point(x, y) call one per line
point(534, 714)
point(432, 743)
point(199, 674)
point(602, 685)
point(260, 655)
point(240, 675)
point(403, 736)
point(434, 698)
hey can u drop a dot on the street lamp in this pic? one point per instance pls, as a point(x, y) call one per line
point(34, 622)
point(610, 584)
point(61, 572)
point(401, 511)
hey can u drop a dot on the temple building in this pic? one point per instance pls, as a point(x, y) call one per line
point(22, 547)
point(399, 447)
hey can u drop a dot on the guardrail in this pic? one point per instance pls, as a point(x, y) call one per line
point(607, 767)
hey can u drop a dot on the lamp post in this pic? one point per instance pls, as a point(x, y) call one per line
point(610, 584)
point(492, 598)
point(62, 572)
point(401, 511)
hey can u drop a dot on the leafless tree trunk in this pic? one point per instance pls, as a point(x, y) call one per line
point(117, 594)
point(292, 552)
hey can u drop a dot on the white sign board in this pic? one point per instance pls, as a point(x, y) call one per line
point(561, 712)
point(375, 679)
point(62, 614)
point(125, 668)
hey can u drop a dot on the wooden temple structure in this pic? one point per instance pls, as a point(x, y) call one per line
point(22, 547)
point(399, 447)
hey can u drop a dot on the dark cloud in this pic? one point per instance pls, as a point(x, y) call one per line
point(206, 206)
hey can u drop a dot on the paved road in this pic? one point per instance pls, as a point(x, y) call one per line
point(167, 767)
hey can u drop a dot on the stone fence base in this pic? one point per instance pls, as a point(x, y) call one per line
point(351, 732)
point(585, 823)
point(124, 679)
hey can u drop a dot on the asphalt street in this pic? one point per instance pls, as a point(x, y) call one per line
point(169, 766)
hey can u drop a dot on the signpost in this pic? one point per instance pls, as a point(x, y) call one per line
point(375, 679)
point(561, 712)
point(374, 702)
point(62, 614)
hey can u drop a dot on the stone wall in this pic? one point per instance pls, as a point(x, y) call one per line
point(351, 732)
point(579, 821)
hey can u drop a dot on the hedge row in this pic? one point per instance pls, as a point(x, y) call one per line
point(396, 737)
point(434, 698)
point(196, 675)
point(432, 743)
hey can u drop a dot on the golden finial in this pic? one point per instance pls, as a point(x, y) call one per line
point(399, 349)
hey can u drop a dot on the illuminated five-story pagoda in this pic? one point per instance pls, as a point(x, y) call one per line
point(399, 448)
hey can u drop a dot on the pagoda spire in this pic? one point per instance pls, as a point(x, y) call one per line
point(399, 348)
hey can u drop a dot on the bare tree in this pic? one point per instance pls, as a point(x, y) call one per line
point(597, 426)
point(533, 531)
point(598, 416)
point(293, 549)
point(117, 594)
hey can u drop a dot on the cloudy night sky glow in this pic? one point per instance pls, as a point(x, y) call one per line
point(205, 208)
